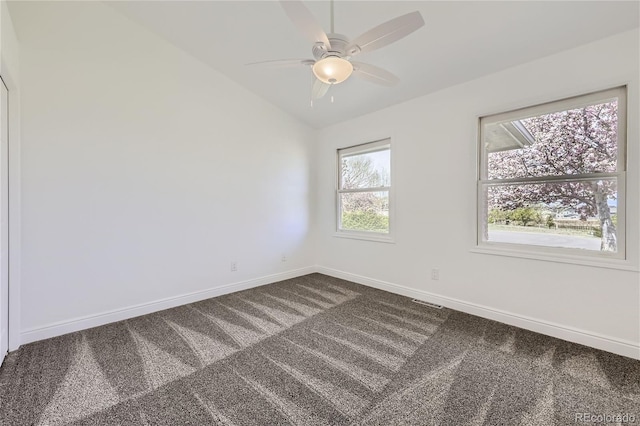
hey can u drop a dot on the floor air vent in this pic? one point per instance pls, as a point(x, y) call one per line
point(431, 305)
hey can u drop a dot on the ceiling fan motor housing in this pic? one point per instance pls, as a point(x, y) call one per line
point(338, 48)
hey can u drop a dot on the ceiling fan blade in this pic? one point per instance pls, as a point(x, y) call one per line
point(306, 23)
point(319, 89)
point(374, 74)
point(284, 63)
point(386, 33)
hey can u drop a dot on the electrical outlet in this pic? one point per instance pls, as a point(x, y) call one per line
point(435, 274)
point(234, 266)
point(284, 257)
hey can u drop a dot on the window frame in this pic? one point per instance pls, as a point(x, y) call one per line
point(364, 148)
point(572, 255)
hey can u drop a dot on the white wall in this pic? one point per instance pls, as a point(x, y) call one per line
point(434, 178)
point(145, 173)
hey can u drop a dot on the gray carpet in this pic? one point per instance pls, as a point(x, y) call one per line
point(314, 350)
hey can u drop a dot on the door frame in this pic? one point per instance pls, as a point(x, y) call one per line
point(13, 218)
point(4, 174)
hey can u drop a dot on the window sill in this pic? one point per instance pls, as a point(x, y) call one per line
point(592, 261)
point(366, 237)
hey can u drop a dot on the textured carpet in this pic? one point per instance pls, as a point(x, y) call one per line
point(314, 350)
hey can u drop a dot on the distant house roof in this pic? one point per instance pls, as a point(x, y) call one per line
point(506, 136)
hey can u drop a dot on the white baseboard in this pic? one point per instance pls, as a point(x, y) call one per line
point(89, 321)
point(594, 340)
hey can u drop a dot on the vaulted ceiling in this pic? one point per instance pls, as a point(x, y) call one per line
point(460, 41)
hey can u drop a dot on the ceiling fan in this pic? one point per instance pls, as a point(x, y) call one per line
point(333, 52)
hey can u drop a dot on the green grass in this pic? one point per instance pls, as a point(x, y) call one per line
point(365, 221)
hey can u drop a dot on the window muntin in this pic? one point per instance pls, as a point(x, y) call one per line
point(552, 176)
point(364, 186)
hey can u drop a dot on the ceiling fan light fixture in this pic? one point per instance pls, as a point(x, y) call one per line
point(332, 70)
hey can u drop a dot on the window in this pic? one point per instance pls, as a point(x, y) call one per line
point(364, 186)
point(552, 177)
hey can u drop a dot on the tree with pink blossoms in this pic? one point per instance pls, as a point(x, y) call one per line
point(573, 144)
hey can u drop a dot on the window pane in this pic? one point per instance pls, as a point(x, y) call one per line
point(570, 142)
point(580, 215)
point(365, 211)
point(368, 170)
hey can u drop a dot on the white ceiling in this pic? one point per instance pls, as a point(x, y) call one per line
point(460, 41)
